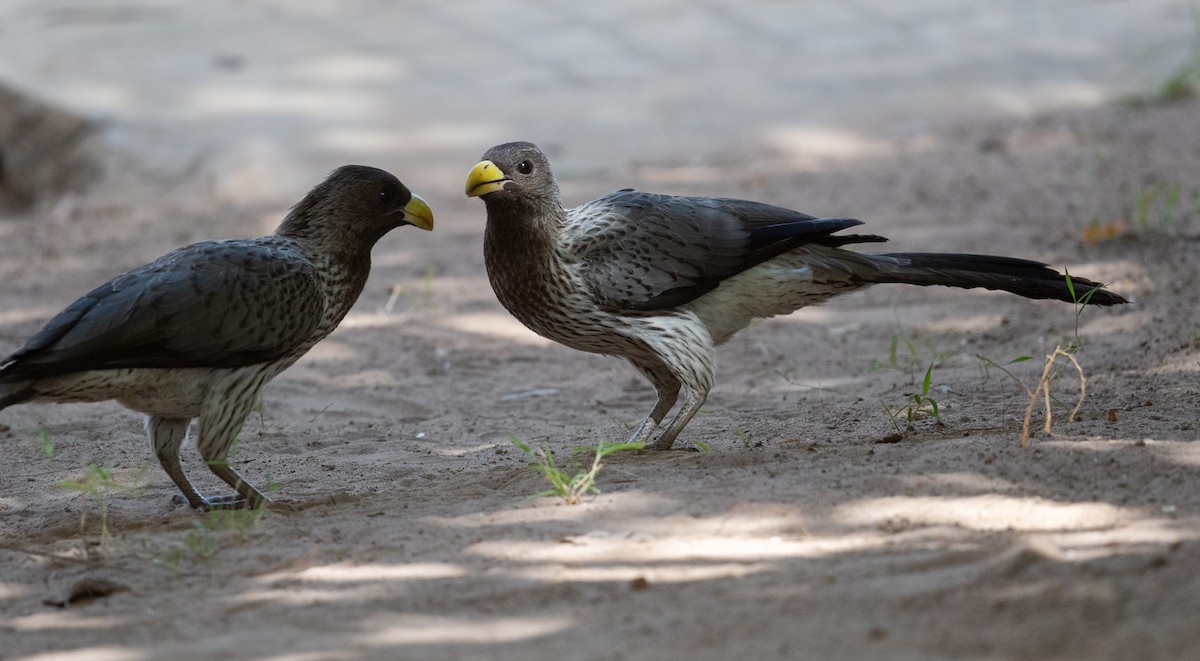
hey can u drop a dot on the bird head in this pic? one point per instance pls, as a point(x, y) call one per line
point(513, 172)
point(356, 205)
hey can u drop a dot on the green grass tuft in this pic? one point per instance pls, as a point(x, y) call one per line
point(571, 488)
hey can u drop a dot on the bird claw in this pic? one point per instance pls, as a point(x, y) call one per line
point(643, 436)
point(661, 444)
point(210, 502)
point(233, 502)
point(229, 502)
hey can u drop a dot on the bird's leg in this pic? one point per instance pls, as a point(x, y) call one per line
point(166, 435)
point(693, 367)
point(221, 418)
point(693, 399)
point(667, 387)
point(645, 430)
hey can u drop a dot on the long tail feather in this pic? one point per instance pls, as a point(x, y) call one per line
point(1019, 276)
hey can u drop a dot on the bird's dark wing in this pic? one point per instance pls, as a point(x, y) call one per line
point(642, 251)
point(211, 304)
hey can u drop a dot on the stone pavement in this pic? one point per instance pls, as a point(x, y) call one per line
point(268, 96)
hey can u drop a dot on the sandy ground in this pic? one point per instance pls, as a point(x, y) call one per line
point(807, 529)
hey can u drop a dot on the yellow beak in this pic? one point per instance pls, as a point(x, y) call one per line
point(418, 213)
point(485, 178)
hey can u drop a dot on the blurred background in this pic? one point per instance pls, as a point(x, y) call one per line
point(256, 101)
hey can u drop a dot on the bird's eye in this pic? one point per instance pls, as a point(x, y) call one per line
point(386, 195)
point(525, 167)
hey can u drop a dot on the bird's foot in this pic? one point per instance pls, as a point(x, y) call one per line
point(645, 433)
point(233, 502)
point(664, 443)
point(198, 502)
point(226, 502)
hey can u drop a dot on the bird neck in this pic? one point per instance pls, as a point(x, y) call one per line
point(337, 245)
point(521, 253)
point(343, 267)
point(346, 272)
point(523, 234)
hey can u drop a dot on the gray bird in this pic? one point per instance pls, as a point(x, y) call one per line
point(199, 331)
point(662, 280)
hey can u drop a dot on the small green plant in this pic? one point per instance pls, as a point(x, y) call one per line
point(1052, 368)
point(1184, 81)
point(208, 533)
point(45, 441)
point(169, 559)
point(237, 522)
point(985, 364)
point(919, 404)
point(1080, 301)
point(571, 488)
point(100, 483)
point(702, 446)
point(744, 437)
point(1160, 207)
point(201, 541)
point(895, 359)
point(272, 485)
